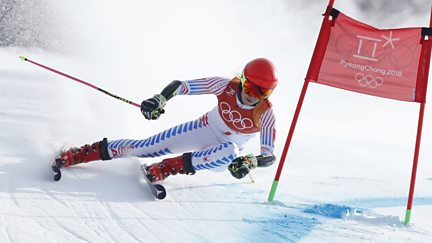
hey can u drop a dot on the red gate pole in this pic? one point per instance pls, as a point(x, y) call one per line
point(425, 57)
point(288, 142)
point(312, 74)
point(415, 163)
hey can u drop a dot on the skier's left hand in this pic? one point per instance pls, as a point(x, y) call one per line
point(153, 108)
point(242, 165)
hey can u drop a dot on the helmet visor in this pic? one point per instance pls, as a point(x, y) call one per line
point(253, 90)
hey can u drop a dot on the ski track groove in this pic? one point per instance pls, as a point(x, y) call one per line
point(117, 221)
point(83, 220)
point(152, 220)
point(50, 195)
point(104, 233)
point(91, 221)
point(9, 236)
point(68, 231)
point(141, 223)
point(15, 202)
point(46, 232)
point(46, 229)
point(93, 225)
point(61, 225)
point(99, 231)
point(54, 198)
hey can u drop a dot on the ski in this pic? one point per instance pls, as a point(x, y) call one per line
point(56, 164)
point(158, 191)
point(56, 172)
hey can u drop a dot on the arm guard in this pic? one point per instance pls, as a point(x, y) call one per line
point(170, 91)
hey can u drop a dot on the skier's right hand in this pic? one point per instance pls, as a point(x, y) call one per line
point(242, 165)
point(152, 108)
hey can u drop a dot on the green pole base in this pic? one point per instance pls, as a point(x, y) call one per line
point(407, 217)
point(272, 191)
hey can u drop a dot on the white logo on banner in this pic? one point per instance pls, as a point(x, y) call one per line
point(390, 40)
point(368, 80)
point(234, 117)
point(371, 56)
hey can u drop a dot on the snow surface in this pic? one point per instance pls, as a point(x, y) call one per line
point(346, 176)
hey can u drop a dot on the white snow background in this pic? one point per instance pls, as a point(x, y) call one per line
point(346, 177)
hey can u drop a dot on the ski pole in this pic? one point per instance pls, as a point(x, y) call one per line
point(80, 81)
point(251, 178)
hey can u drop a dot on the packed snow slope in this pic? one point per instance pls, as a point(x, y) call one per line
point(345, 179)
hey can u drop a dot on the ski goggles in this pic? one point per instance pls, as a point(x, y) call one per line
point(253, 90)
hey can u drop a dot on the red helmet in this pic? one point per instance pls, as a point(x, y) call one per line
point(261, 72)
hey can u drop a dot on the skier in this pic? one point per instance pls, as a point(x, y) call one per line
point(211, 142)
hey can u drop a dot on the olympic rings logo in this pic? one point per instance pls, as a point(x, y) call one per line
point(234, 117)
point(368, 80)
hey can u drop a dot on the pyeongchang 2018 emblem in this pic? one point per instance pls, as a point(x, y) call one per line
point(234, 117)
point(366, 50)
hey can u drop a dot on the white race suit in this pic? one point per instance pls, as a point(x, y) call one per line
point(215, 138)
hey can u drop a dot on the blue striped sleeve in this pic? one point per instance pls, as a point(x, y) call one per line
point(268, 132)
point(212, 85)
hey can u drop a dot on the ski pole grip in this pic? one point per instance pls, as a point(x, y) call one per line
point(23, 58)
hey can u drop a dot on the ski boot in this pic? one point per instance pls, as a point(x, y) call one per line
point(160, 171)
point(87, 153)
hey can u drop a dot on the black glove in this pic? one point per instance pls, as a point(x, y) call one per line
point(152, 108)
point(242, 165)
